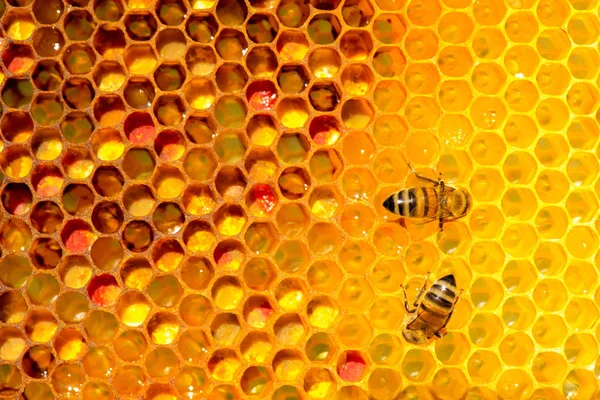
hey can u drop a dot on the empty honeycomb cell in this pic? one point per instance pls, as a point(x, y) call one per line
point(518, 312)
point(486, 293)
point(581, 314)
point(488, 78)
point(581, 349)
point(483, 366)
point(582, 61)
point(514, 383)
point(354, 331)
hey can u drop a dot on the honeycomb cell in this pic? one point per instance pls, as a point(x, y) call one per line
point(12, 343)
point(485, 330)
point(292, 46)
point(140, 59)
point(140, 26)
point(488, 78)
point(581, 349)
point(262, 62)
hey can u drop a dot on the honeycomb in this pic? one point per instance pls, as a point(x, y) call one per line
point(192, 198)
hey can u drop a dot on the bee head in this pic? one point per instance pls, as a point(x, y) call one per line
point(458, 202)
point(414, 336)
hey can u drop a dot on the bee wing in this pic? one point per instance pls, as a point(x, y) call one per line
point(422, 221)
point(410, 324)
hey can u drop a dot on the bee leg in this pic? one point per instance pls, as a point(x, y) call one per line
point(406, 301)
point(422, 291)
point(441, 225)
point(421, 177)
point(441, 333)
point(458, 296)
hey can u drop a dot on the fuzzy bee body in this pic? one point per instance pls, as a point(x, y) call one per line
point(429, 203)
point(432, 311)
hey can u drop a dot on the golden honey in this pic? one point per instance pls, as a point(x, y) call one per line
point(192, 198)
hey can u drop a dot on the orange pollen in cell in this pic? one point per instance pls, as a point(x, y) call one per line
point(16, 64)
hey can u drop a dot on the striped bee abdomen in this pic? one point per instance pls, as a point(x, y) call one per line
point(420, 202)
point(441, 296)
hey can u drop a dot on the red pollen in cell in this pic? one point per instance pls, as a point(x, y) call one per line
point(353, 368)
point(264, 196)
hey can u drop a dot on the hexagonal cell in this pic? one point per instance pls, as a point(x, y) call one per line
point(109, 42)
point(198, 236)
point(582, 98)
point(17, 126)
point(262, 28)
point(79, 59)
point(200, 60)
point(140, 59)
point(109, 110)
point(48, 12)
point(582, 169)
point(129, 380)
point(552, 114)
point(198, 199)
point(389, 96)
point(230, 220)
point(46, 217)
point(38, 362)
point(357, 79)
point(293, 13)
point(18, 58)
point(319, 383)
point(108, 10)
point(292, 79)
point(138, 236)
point(46, 109)
point(171, 44)
point(18, 24)
point(231, 77)
point(581, 349)
point(418, 365)
point(292, 46)
point(485, 329)
point(78, 93)
point(169, 145)
point(324, 62)
point(324, 28)
point(261, 237)
point(47, 75)
point(262, 62)
point(163, 327)
point(48, 41)
point(231, 12)
point(292, 112)
point(75, 272)
point(225, 329)
point(583, 133)
point(140, 26)
point(171, 12)
point(169, 110)
point(200, 129)
point(358, 14)
point(356, 45)
point(357, 113)
point(202, 27)
point(16, 162)
point(294, 182)
point(108, 181)
point(109, 76)
point(77, 236)
point(39, 326)
point(79, 25)
point(547, 366)
point(322, 311)
point(324, 96)
point(168, 182)
point(549, 331)
point(169, 76)
point(288, 365)
point(230, 112)
point(200, 93)
point(231, 45)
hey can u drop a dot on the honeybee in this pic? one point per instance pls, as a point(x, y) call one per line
point(430, 203)
point(431, 314)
